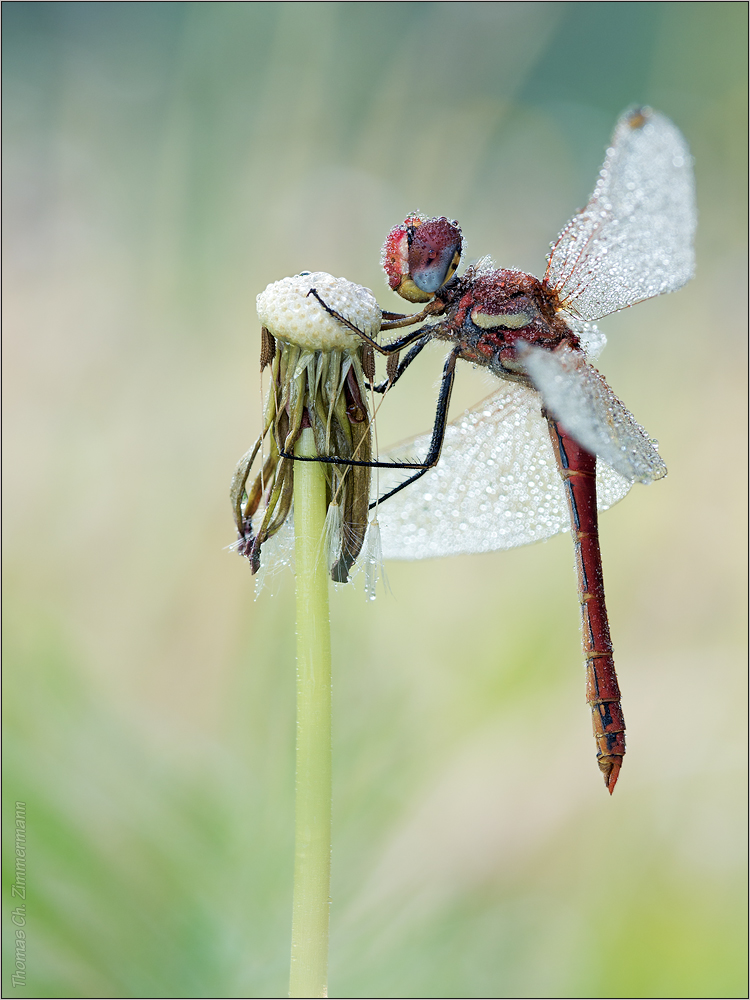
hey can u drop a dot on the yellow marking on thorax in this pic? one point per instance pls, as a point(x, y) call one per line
point(490, 321)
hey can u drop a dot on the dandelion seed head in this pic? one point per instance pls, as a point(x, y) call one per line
point(290, 313)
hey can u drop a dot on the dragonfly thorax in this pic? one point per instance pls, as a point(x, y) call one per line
point(487, 315)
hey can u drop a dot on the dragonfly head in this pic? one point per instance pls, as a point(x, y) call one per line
point(421, 255)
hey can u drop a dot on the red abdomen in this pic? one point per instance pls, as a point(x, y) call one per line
point(578, 470)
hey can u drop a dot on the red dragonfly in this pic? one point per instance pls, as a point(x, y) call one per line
point(554, 443)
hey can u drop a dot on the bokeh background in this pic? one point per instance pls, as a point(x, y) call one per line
point(163, 162)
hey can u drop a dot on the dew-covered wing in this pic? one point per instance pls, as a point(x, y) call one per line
point(634, 239)
point(576, 394)
point(496, 485)
point(591, 338)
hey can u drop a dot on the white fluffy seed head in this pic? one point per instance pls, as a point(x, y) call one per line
point(288, 312)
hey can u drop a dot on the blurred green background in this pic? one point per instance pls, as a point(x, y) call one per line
point(163, 162)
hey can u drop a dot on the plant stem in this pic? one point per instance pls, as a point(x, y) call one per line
point(312, 847)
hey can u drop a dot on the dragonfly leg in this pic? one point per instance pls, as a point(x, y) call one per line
point(401, 367)
point(436, 442)
point(391, 317)
point(578, 470)
point(438, 428)
point(386, 349)
point(392, 350)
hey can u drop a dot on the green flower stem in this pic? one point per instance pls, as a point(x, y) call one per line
point(312, 848)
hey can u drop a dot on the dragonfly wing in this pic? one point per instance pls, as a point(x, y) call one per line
point(576, 394)
point(591, 337)
point(634, 238)
point(496, 485)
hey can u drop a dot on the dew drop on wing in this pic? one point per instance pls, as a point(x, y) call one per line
point(496, 497)
point(641, 216)
point(576, 394)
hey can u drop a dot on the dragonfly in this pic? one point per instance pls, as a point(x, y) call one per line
point(553, 444)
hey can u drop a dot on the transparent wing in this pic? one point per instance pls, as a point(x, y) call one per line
point(591, 337)
point(496, 485)
point(634, 239)
point(576, 394)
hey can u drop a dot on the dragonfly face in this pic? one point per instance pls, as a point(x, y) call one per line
point(421, 255)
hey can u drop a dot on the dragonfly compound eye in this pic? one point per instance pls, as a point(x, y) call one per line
point(394, 255)
point(421, 255)
point(434, 253)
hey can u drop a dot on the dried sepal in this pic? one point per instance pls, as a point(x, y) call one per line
point(368, 362)
point(267, 348)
